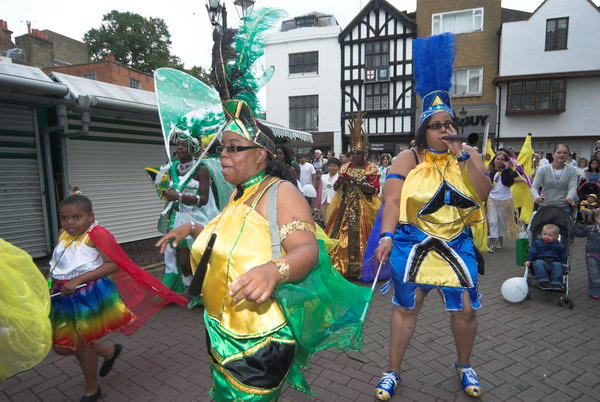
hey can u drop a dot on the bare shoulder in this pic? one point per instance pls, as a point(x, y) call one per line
point(404, 162)
point(288, 190)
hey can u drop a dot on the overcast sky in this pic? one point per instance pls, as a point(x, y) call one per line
point(187, 20)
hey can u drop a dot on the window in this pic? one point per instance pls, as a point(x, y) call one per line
point(304, 62)
point(457, 22)
point(377, 96)
point(90, 76)
point(377, 54)
point(133, 83)
point(530, 96)
point(467, 81)
point(557, 30)
point(304, 112)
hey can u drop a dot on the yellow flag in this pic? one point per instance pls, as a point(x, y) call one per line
point(520, 190)
point(489, 153)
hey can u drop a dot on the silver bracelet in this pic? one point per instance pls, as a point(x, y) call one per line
point(385, 238)
point(193, 227)
point(180, 197)
point(197, 201)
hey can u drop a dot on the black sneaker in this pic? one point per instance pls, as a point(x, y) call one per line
point(545, 285)
point(557, 286)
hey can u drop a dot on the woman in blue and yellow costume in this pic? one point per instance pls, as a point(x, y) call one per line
point(431, 198)
point(355, 204)
point(271, 296)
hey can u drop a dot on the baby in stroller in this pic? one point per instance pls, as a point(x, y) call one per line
point(547, 256)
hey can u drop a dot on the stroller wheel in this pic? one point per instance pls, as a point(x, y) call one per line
point(571, 303)
point(528, 297)
point(561, 301)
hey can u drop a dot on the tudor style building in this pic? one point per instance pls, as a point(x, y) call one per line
point(377, 76)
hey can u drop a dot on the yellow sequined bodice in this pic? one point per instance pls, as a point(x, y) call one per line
point(243, 242)
point(441, 208)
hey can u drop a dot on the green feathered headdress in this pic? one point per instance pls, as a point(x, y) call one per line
point(236, 76)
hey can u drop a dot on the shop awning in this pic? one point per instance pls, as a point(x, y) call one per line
point(284, 132)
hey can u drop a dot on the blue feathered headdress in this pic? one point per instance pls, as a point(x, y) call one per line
point(433, 60)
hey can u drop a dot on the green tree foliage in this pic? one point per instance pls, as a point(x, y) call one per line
point(138, 42)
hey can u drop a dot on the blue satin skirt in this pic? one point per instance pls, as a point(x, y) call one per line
point(422, 261)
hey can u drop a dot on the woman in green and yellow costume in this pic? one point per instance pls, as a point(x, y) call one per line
point(354, 207)
point(272, 297)
point(432, 197)
point(254, 339)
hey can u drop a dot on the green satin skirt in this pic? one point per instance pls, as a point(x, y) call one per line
point(252, 369)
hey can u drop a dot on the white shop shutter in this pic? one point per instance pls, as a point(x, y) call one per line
point(22, 213)
point(112, 175)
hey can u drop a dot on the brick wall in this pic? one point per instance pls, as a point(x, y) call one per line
point(38, 51)
point(473, 49)
point(107, 71)
point(67, 49)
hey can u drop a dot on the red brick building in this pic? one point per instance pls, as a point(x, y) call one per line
point(108, 71)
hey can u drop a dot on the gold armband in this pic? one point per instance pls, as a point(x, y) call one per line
point(284, 269)
point(295, 226)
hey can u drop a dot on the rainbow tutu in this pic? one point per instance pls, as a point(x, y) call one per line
point(88, 314)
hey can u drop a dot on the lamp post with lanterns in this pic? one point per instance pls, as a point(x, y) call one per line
point(217, 12)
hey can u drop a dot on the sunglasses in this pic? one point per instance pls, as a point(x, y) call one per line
point(437, 125)
point(231, 149)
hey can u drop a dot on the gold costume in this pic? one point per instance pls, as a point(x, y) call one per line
point(352, 214)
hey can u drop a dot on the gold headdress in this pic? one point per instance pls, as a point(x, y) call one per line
point(359, 140)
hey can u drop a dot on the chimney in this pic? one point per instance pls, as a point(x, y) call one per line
point(6, 42)
point(28, 26)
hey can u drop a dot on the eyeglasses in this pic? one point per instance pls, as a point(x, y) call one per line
point(231, 149)
point(437, 125)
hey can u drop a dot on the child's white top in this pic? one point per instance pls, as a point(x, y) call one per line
point(73, 257)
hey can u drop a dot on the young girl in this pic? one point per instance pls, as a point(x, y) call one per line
point(592, 253)
point(87, 302)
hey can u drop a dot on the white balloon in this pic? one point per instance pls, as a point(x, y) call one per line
point(515, 289)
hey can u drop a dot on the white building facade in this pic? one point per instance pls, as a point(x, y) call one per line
point(377, 76)
point(549, 78)
point(303, 93)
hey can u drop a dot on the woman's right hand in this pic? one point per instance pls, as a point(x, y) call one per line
point(177, 234)
point(383, 251)
point(539, 200)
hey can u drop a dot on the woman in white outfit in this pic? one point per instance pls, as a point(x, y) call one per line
point(500, 208)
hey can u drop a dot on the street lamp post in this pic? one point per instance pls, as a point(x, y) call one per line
point(462, 114)
point(217, 12)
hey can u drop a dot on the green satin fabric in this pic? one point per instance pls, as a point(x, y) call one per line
point(225, 347)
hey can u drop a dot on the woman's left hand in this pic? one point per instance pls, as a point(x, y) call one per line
point(256, 285)
point(568, 201)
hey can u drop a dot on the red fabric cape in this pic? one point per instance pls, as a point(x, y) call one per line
point(141, 292)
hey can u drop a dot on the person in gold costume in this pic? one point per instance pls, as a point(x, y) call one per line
point(432, 197)
point(354, 208)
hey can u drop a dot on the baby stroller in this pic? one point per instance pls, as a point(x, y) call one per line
point(564, 221)
point(583, 191)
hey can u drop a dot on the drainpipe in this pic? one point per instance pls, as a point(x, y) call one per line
point(498, 113)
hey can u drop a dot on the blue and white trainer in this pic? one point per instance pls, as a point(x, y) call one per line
point(469, 381)
point(387, 385)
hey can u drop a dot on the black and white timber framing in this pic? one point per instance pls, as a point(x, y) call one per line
point(393, 124)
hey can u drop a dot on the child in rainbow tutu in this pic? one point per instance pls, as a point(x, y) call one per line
point(93, 293)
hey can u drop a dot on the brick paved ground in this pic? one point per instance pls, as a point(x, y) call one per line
point(530, 351)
